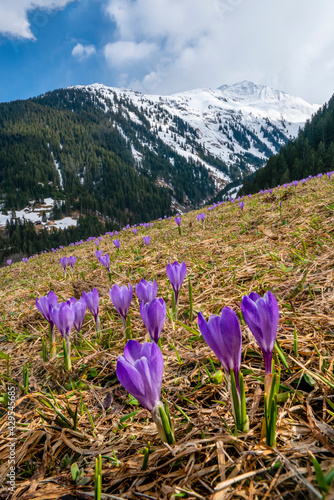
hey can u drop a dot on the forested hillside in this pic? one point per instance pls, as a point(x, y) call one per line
point(312, 152)
point(65, 146)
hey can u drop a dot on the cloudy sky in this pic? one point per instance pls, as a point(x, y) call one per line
point(166, 46)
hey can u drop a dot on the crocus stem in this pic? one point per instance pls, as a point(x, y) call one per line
point(67, 354)
point(271, 387)
point(175, 303)
point(126, 328)
point(98, 327)
point(190, 298)
point(179, 228)
point(164, 423)
point(98, 478)
point(53, 349)
point(238, 398)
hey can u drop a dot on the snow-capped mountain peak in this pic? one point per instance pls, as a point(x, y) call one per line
point(230, 130)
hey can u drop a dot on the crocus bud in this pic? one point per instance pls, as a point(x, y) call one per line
point(92, 300)
point(121, 298)
point(176, 273)
point(63, 318)
point(63, 261)
point(72, 260)
point(98, 254)
point(153, 315)
point(79, 308)
point(146, 240)
point(223, 334)
point(146, 290)
point(262, 317)
point(105, 261)
point(140, 371)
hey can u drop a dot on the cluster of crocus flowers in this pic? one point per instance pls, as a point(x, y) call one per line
point(223, 335)
point(201, 217)
point(140, 371)
point(62, 316)
point(262, 316)
point(45, 306)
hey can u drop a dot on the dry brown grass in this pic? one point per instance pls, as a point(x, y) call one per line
point(290, 254)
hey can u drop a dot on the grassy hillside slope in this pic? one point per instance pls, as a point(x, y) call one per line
point(289, 252)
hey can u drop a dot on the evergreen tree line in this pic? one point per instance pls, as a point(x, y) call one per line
point(20, 239)
point(312, 152)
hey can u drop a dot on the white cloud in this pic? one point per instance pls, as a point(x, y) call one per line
point(288, 45)
point(14, 19)
point(83, 52)
point(127, 52)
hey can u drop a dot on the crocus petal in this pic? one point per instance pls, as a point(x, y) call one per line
point(140, 372)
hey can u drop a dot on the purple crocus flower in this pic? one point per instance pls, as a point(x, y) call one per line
point(9, 262)
point(146, 225)
point(25, 260)
point(241, 205)
point(116, 243)
point(178, 221)
point(45, 304)
point(121, 298)
point(146, 290)
point(72, 260)
point(79, 308)
point(98, 254)
point(105, 261)
point(97, 242)
point(63, 261)
point(200, 217)
point(153, 315)
point(223, 334)
point(146, 240)
point(262, 316)
point(92, 300)
point(140, 372)
point(134, 231)
point(63, 318)
point(176, 273)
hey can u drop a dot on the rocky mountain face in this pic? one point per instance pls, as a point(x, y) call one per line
point(231, 130)
point(127, 157)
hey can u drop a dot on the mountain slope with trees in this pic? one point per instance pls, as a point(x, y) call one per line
point(312, 152)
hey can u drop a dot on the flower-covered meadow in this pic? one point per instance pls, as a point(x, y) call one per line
point(127, 387)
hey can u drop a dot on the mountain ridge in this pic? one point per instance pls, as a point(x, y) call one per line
point(241, 124)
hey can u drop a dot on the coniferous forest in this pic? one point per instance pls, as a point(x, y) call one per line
point(67, 146)
point(312, 152)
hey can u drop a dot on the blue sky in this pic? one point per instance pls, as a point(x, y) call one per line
point(166, 46)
